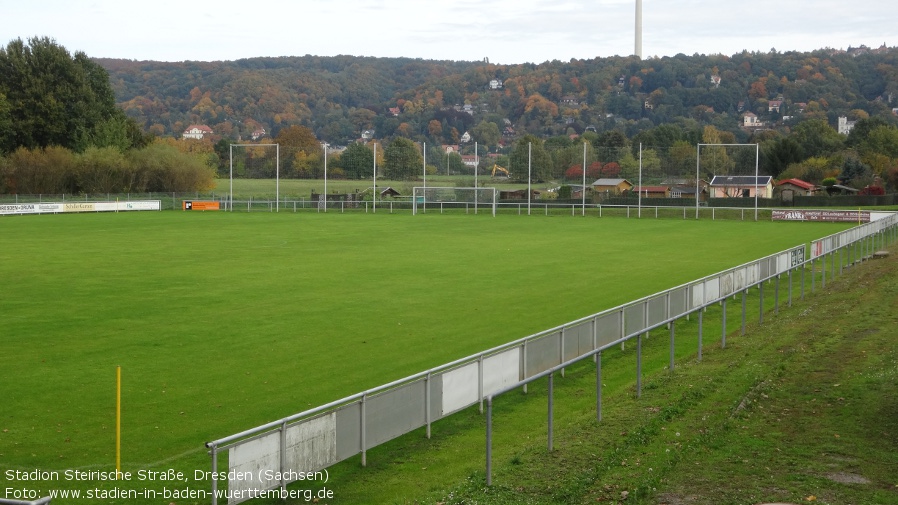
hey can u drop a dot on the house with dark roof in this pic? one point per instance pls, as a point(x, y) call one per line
point(741, 186)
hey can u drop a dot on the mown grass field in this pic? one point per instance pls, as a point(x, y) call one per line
point(223, 321)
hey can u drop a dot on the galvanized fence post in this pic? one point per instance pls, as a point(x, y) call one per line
point(427, 402)
point(283, 458)
point(776, 295)
point(561, 346)
point(701, 316)
point(744, 296)
point(813, 274)
point(489, 441)
point(362, 431)
point(599, 386)
point(671, 346)
point(761, 303)
point(551, 416)
point(639, 365)
point(790, 285)
point(723, 339)
point(832, 263)
point(214, 453)
point(480, 382)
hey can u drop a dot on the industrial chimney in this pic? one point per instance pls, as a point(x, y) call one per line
point(639, 29)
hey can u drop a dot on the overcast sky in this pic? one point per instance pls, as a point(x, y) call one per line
point(505, 31)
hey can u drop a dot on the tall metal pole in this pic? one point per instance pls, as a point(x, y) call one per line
point(639, 193)
point(698, 154)
point(374, 179)
point(583, 189)
point(476, 166)
point(277, 184)
point(231, 194)
point(324, 145)
point(529, 175)
point(757, 155)
point(424, 170)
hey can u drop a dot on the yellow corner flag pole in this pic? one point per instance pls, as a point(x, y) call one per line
point(118, 421)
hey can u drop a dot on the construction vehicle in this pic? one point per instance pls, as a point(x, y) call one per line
point(503, 170)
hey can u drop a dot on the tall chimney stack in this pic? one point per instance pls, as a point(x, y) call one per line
point(639, 29)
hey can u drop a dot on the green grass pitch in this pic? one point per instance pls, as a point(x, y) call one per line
point(224, 321)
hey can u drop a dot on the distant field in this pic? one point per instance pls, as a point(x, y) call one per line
point(223, 321)
point(302, 188)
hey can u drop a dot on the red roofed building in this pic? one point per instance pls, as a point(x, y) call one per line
point(196, 131)
point(797, 185)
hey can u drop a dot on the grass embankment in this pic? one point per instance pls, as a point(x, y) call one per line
point(801, 409)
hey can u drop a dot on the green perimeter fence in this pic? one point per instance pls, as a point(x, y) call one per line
point(264, 460)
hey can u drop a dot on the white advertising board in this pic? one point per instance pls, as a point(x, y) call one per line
point(7, 209)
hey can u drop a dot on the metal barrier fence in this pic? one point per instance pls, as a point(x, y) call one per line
point(265, 457)
point(174, 201)
point(41, 501)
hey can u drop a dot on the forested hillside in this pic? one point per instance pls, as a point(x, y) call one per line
point(102, 125)
point(340, 97)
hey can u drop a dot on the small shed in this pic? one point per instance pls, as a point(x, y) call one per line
point(612, 186)
point(388, 191)
point(652, 191)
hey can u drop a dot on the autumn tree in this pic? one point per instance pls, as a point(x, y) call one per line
point(303, 151)
point(402, 159)
point(575, 172)
point(611, 169)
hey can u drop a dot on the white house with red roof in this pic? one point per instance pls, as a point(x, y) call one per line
point(750, 120)
point(196, 131)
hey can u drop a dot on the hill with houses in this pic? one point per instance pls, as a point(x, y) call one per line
point(345, 98)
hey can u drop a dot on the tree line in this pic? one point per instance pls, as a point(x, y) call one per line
point(61, 131)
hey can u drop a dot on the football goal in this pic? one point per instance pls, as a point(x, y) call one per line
point(443, 198)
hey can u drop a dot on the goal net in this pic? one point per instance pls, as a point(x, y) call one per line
point(442, 198)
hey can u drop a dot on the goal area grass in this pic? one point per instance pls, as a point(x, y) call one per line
point(225, 321)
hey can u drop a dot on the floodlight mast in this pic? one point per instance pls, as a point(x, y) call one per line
point(583, 189)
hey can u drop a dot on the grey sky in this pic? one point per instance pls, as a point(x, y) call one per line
point(505, 31)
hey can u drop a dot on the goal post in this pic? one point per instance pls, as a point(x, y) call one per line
point(277, 172)
point(455, 197)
